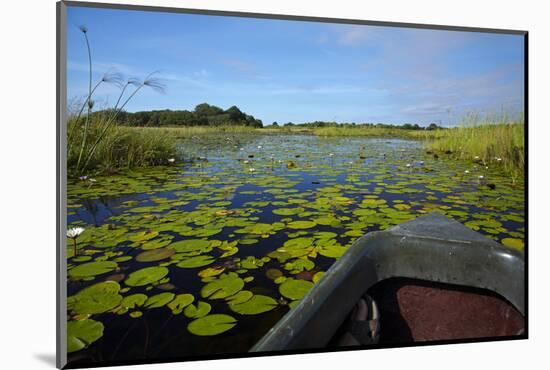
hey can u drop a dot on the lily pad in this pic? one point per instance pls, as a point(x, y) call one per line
point(95, 299)
point(301, 224)
point(255, 305)
point(80, 334)
point(224, 286)
point(180, 302)
point(196, 311)
point(159, 300)
point(146, 276)
point(197, 261)
point(211, 325)
point(133, 300)
point(513, 243)
point(155, 255)
point(240, 297)
point(92, 269)
point(295, 289)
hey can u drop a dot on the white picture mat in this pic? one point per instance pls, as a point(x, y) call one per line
point(28, 186)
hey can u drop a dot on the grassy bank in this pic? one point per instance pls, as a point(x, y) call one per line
point(369, 131)
point(122, 147)
point(488, 144)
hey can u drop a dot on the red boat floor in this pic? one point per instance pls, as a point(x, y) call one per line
point(413, 310)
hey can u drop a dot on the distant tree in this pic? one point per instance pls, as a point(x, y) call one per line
point(205, 110)
point(432, 126)
point(275, 124)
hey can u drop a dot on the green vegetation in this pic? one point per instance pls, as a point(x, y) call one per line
point(93, 138)
point(488, 144)
point(203, 115)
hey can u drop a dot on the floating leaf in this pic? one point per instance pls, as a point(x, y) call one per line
point(159, 300)
point(318, 276)
point(95, 299)
point(133, 300)
point(211, 271)
point(92, 269)
point(273, 274)
point(513, 243)
point(136, 314)
point(256, 305)
point(155, 255)
point(301, 224)
point(240, 297)
point(146, 276)
point(197, 261)
point(295, 289)
point(288, 211)
point(211, 325)
point(192, 245)
point(195, 312)
point(180, 302)
point(80, 334)
point(224, 286)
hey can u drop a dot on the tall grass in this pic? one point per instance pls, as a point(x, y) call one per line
point(95, 139)
point(370, 131)
point(125, 147)
point(190, 131)
point(487, 142)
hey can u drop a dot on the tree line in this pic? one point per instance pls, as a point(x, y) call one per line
point(316, 124)
point(203, 115)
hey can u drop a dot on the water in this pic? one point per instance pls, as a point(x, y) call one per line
point(250, 191)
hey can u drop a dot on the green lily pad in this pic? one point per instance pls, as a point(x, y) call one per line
point(155, 255)
point(240, 297)
point(287, 211)
point(92, 269)
point(133, 300)
point(192, 245)
point(513, 243)
point(159, 300)
point(95, 299)
point(301, 224)
point(255, 305)
point(295, 289)
point(146, 276)
point(224, 286)
point(196, 311)
point(197, 261)
point(211, 325)
point(80, 334)
point(180, 302)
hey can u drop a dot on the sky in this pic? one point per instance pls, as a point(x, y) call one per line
point(297, 71)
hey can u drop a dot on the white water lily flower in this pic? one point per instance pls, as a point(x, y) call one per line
point(92, 180)
point(499, 159)
point(466, 171)
point(481, 177)
point(259, 147)
point(251, 169)
point(421, 162)
point(476, 157)
point(241, 149)
point(74, 232)
point(246, 161)
point(171, 160)
point(408, 165)
point(331, 155)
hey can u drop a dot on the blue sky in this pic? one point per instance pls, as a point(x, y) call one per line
point(298, 71)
